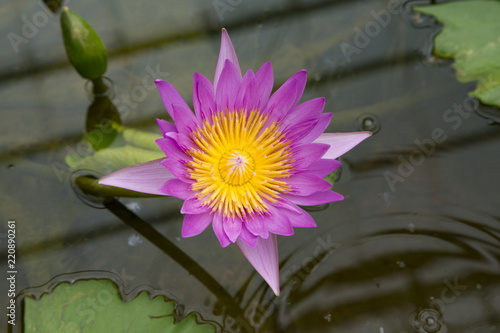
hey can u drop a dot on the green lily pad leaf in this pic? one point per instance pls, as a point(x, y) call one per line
point(471, 36)
point(96, 306)
point(112, 159)
point(141, 139)
point(128, 148)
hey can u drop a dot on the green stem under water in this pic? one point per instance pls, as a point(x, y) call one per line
point(179, 256)
point(98, 86)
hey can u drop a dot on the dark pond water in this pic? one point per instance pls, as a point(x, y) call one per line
point(414, 247)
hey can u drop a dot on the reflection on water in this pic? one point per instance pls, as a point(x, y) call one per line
point(415, 272)
point(413, 248)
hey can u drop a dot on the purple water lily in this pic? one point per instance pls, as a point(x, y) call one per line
point(245, 160)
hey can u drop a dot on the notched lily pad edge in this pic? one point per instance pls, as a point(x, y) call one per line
point(487, 83)
point(37, 292)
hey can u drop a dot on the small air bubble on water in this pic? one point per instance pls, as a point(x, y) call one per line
point(134, 206)
point(369, 122)
point(134, 239)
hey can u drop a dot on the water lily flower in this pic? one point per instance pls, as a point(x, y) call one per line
point(245, 160)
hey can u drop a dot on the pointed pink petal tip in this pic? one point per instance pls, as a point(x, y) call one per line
point(341, 143)
point(264, 258)
point(145, 177)
point(226, 53)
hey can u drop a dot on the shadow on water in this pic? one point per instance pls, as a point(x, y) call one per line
point(422, 277)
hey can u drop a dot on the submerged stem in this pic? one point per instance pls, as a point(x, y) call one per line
point(98, 86)
point(179, 256)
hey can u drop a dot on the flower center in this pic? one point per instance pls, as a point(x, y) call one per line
point(236, 167)
point(239, 166)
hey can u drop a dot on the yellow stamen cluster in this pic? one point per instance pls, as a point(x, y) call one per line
point(238, 163)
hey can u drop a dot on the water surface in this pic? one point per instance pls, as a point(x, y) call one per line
point(414, 247)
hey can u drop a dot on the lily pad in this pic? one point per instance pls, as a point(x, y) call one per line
point(471, 35)
point(130, 147)
point(96, 306)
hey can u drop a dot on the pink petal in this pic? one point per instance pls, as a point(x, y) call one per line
point(170, 97)
point(249, 238)
point(226, 52)
point(321, 125)
point(195, 224)
point(193, 206)
point(305, 184)
point(225, 94)
point(286, 97)
point(309, 153)
point(203, 97)
point(264, 258)
point(305, 111)
point(185, 120)
point(317, 198)
point(232, 228)
point(177, 188)
point(341, 143)
point(265, 81)
point(284, 204)
point(218, 228)
point(277, 223)
point(183, 141)
point(247, 97)
point(323, 167)
point(145, 177)
point(165, 126)
point(177, 168)
point(176, 160)
point(297, 132)
point(302, 219)
point(256, 226)
point(171, 149)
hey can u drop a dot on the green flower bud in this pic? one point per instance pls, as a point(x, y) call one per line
point(84, 48)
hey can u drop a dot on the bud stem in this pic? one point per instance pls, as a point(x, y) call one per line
point(98, 86)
